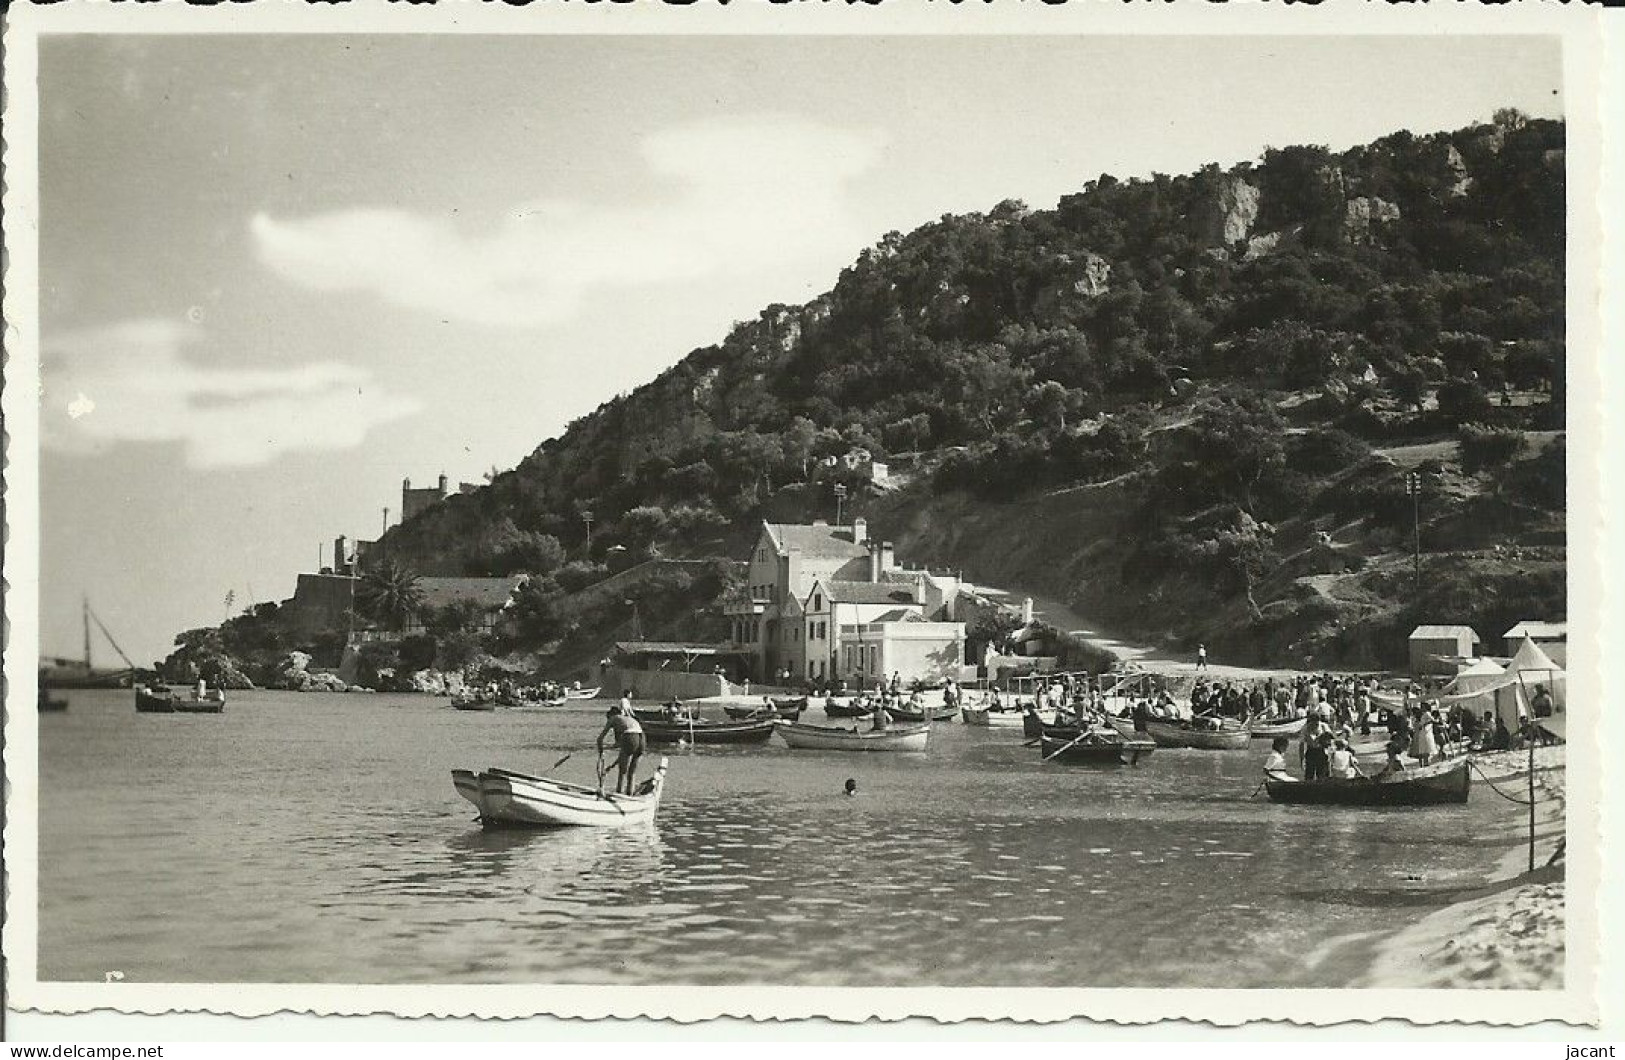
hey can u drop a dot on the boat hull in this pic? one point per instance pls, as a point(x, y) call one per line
point(710, 732)
point(834, 708)
point(581, 693)
point(1271, 731)
point(915, 717)
point(1105, 751)
point(200, 706)
point(1167, 735)
point(1439, 785)
point(825, 738)
point(148, 703)
point(993, 719)
point(516, 800)
point(778, 710)
point(481, 705)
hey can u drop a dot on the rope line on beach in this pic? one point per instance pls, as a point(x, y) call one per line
point(1498, 791)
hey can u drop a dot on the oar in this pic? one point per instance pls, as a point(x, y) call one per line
point(600, 772)
point(1068, 747)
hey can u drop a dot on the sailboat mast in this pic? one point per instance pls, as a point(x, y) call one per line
point(85, 601)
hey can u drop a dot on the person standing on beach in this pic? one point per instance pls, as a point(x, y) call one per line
point(1201, 656)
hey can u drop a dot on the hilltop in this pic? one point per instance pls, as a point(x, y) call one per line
point(1189, 405)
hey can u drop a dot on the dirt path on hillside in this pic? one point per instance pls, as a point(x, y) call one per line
point(1144, 656)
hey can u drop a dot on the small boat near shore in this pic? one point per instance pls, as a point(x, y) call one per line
point(149, 701)
point(988, 718)
point(788, 709)
point(472, 702)
point(1270, 728)
point(506, 799)
point(699, 731)
point(925, 714)
point(835, 738)
point(582, 693)
point(1098, 747)
point(845, 707)
point(1185, 734)
point(687, 712)
point(212, 703)
point(1433, 785)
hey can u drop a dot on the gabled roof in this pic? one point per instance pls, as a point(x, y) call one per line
point(815, 542)
point(899, 615)
point(1443, 633)
point(845, 592)
point(1538, 631)
point(1530, 657)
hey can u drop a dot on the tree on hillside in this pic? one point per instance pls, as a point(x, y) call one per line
point(389, 593)
point(1050, 401)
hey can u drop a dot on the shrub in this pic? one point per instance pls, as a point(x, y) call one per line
point(1464, 401)
point(1489, 448)
point(1322, 452)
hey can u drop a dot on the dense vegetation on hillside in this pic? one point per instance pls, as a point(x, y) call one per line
point(1224, 355)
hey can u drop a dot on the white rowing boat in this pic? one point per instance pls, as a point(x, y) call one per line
point(832, 738)
point(508, 799)
point(993, 719)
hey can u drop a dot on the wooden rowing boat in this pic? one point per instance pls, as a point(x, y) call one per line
point(1434, 785)
point(985, 717)
point(832, 738)
point(659, 714)
point(1096, 748)
point(1168, 734)
point(149, 702)
point(837, 708)
point(581, 693)
point(1269, 729)
point(467, 702)
point(756, 730)
point(928, 713)
point(778, 709)
point(214, 703)
point(506, 799)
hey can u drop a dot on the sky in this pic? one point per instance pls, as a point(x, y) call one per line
point(279, 274)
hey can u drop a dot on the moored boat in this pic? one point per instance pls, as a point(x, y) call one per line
point(49, 704)
point(468, 702)
point(582, 693)
point(985, 717)
point(846, 707)
point(151, 701)
point(1095, 748)
point(835, 738)
point(1270, 728)
point(508, 799)
point(212, 703)
point(687, 712)
point(1433, 785)
point(1170, 734)
point(777, 709)
point(697, 731)
point(925, 713)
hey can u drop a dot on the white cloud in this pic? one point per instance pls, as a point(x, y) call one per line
point(129, 382)
point(740, 196)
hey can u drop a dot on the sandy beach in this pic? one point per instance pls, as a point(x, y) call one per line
point(1510, 934)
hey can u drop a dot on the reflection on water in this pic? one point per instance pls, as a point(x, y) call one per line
point(318, 838)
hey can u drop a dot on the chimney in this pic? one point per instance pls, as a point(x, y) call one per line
point(874, 561)
point(860, 530)
point(341, 555)
point(887, 560)
point(406, 484)
point(443, 483)
point(1027, 611)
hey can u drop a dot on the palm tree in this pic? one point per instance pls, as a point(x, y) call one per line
point(390, 592)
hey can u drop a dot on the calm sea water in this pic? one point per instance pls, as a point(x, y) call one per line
point(318, 838)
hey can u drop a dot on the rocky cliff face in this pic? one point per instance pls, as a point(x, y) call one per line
point(1366, 219)
point(1238, 205)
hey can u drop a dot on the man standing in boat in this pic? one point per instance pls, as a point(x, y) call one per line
point(628, 741)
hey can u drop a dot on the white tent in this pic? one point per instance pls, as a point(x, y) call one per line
point(1476, 687)
point(1535, 669)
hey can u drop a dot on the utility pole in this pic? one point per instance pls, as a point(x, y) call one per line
point(1413, 486)
point(840, 499)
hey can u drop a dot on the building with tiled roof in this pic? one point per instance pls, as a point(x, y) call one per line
point(826, 602)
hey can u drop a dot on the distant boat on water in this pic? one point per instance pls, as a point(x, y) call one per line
point(81, 673)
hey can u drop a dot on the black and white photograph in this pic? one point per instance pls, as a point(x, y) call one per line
point(650, 511)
